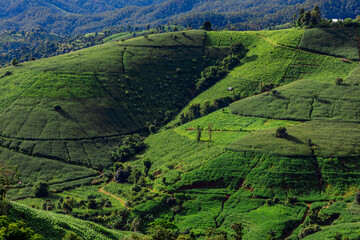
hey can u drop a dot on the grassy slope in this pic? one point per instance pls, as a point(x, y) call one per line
point(54, 226)
point(104, 92)
point(218, 186)
point(202, 180)
point(341, 42)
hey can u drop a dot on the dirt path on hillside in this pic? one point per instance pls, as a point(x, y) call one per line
point(308, 206)
point(122, 201)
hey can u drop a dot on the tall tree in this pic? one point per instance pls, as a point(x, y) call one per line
point(315, 16)
point(300, 20)
point(207, 26)
point(9, 176)
point(307, 18)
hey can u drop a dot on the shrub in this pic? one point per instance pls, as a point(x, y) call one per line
point(339, 81)
point(57, 108)
point(308, 230)
point(357, 198)
point(16, 230)
point(41, 189)
point(281, 132)
point(14, 62)
point(152, 129)
point(130, 145)
point(71, 236)
point(269, 202)
point(291, 199)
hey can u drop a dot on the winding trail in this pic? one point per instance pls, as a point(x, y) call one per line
point(308, 206)
point(122, 201)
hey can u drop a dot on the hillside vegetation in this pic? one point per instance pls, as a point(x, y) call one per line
point(83, 16)
point(74, 108)
point(224, 165)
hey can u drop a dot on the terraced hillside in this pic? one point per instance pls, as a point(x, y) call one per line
point(243, 172)
point(222, 168)
point(66, 113)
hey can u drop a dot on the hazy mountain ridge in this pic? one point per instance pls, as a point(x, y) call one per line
point(83, 16)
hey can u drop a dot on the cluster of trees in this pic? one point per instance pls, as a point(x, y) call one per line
point(129, 147)
point(197, 110)
point(314, 19)
point(16, 230)
point(308, 18)
point(40, 43)
point(213, 74)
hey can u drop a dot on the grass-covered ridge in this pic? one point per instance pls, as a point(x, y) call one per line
point(243, 173)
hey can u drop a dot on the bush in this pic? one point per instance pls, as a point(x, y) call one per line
point(307, 231)
point(16, 230)
point(269, 202)
point(357, 198)
point(130, 145)
point(57, 108)
point(71, 236)
point(291, 199)
point(281, 132)
point(41, 189)
point(339, 81)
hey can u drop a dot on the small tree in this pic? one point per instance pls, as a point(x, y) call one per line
point(238, 228)
point(357, 198)
point(339, 81)
point(281, 132)
point(198, 136)
point(152, 129)
point(210, 128)
point(9, 176)
point(41, 189)
point(207, 26)
point(147, 166)
point(71, 236)
point(14, 62)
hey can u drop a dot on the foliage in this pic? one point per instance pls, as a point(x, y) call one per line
point(130, 145)
point(71, 236)
point(16, 230)
point(41, 189)
point(281, 132)
point(9, 176)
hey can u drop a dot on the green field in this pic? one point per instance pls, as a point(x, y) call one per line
point(237, 172)
point(334, 41)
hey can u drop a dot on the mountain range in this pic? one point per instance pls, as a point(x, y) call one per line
point(79, 16)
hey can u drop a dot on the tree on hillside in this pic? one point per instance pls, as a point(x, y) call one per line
point(238, 228)
point(41, 189)
point(198, 136)
point(339, 81)
point(147, 166)
point(357, 198)
point(315, 16)
point(71, 236)
point(14, 62)
point(8, 177)
point(207, 26)
point(307, 18)
point(281, 132)
point(300, 19)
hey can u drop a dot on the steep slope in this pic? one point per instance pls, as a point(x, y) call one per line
point(227, 178)
point(55, 226)
point(74, 108)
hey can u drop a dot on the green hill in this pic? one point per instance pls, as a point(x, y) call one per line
point(73, 109)
point(243, 172)
point(54, 226)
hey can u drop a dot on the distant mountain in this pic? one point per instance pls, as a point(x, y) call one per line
point(80, 16)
